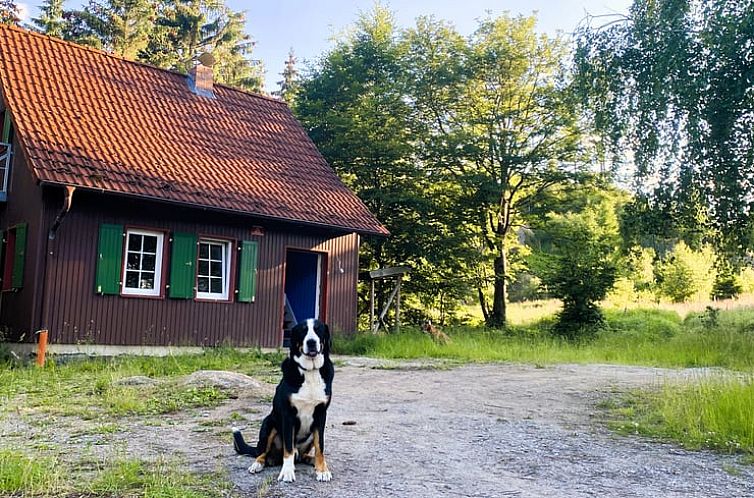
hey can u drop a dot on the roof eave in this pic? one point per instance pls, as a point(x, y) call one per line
point(339, 228)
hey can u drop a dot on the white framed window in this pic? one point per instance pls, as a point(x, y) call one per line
point(142, 271)
point(213, 269)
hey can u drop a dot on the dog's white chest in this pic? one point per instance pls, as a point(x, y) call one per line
point(311, 394)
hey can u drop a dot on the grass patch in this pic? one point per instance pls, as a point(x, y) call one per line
point(86, 389)
point(154, 480)
point(21, 474)
point(715, 413)
point(639, 337)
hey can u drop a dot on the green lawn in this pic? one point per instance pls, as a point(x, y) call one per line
point(87, 393)
point(637, 337)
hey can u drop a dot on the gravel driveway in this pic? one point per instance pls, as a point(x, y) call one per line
point(493, 431)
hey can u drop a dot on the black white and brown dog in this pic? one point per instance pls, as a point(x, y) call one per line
point(296, 424)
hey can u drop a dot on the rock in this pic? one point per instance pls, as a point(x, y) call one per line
point(222, 380)
point(137, 380)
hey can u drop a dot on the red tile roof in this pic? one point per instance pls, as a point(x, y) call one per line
point(90, 119)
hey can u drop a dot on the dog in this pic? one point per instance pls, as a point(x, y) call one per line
point(435, 333)
point(296, 424)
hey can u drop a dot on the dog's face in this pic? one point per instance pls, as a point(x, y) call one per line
point(310, 339)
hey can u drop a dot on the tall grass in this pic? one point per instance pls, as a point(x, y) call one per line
point(715, 413)
point(23, 475)
point(641, 337)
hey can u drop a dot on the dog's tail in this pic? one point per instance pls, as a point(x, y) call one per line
point(240, 445)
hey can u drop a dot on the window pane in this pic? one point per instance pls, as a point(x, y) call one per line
point(132, 279)
point(203, 284)
point(150, 243)
point(134, 242)
point(204, 251)
point(132, 261)
point(203, 267)
point(216, 269)
point(147, 262)
point(216, 286)
point(216, 252)
point(147, 280)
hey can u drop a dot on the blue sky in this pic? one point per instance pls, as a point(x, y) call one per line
point(308, 25)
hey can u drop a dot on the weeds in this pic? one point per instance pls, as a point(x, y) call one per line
point(714, 413)
point(640, 337)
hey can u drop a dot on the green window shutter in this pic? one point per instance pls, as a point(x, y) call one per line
point(183, 266)
point(19, 257)
point(247, 280)
point(109, 259)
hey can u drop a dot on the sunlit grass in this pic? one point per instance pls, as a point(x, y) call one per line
point(715, 413)
point(23, 475)
point(639, 337)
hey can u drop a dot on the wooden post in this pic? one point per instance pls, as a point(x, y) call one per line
point(371, 307)
point(398, 305)
point(42, 348)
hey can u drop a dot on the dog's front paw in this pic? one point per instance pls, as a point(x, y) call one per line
point(256, 467)
point(325, 476)
point(287, 474)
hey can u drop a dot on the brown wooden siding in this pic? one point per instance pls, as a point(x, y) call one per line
point(19, 309)
point(75, 314)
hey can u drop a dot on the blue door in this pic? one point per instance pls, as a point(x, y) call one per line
point(303, 283)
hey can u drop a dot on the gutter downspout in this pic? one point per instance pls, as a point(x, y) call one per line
point(67, 203)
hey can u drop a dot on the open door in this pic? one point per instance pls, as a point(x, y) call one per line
point(303, 288)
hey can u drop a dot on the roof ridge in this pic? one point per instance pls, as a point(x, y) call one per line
point(29, 32)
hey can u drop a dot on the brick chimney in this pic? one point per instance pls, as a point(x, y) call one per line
point(200, 77)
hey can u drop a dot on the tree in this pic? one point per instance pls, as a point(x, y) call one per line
point(9, 12)
point(356, 106)
point(184, 29)
point(50, 20)
point(288, 86)
point(496, 112)
point(577, 262)
point(669, 87)
point(118, 26)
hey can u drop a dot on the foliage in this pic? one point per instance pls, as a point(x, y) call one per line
point(685, 274)
point(50, 20)
point(167, 34)
point(727, 283)
point(576, 262)
point(355, 106)
point(184, 29)
point(118, 26)
point(494, 115)
point(670, 85)
point(288, 86)
point(9, 12)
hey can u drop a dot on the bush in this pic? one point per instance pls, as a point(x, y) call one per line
point(577, 265)
point(686, 274)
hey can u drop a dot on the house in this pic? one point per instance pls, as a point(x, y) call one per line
point(144, 207)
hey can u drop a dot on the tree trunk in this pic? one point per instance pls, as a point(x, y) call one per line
point(500, 297)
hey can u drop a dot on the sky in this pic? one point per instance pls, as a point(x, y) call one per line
point(308, 26)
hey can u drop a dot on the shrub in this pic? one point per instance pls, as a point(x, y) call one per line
point(577, 265)
point(685, 274)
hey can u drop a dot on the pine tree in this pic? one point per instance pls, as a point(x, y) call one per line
point(9, 12)
point(118, 26)
point(184, 29)
point(50, 20)
point(288, 86)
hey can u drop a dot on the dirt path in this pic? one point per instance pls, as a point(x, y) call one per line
point(494, 431)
